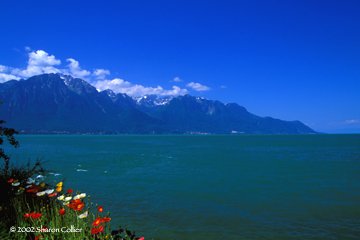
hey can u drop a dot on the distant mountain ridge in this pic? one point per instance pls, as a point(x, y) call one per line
point(55, 103)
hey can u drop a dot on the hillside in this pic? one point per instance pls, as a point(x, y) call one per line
point(54, 103)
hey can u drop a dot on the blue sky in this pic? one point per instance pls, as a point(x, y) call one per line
point(292, 60)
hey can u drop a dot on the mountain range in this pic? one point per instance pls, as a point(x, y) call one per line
point(56, 103)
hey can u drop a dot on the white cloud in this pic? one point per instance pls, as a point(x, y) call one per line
point(223, 86)
point(101, 73)
point(41, 58)
point(347, 122)
point(177, 79)
point(6, 77)
point(198, 86)
point(3, 69)
point(176, 91)
point(120, 86)
point(76, 70)
point(115, 84)
point(354, 121)
point(34, 70)
point(41, 62)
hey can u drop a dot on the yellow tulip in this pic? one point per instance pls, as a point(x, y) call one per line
point(58, 189)
point(42, 185)
point(59, 184)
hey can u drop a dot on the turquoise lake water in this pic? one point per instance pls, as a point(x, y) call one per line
point(213, 187)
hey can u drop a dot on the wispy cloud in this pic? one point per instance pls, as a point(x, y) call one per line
point(198, 87)
point(177, 79)
point(41, 62)
point(76, 70)
point(347, 122)
point(3, 69)
point(101, 73)
point(120, 86)
point(5, 75)
point(354, 121)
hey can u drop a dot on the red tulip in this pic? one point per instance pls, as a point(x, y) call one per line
point(95, 230)
point(76, 201)
point(53, 194)
point(36, 215)
point(62, 212)
point(97, 222)
point(31, 190)
point(28, 215)
point(70, 205)
point(105, 219)
point(78, 206)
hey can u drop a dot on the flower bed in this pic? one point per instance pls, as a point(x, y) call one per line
point(43, 211)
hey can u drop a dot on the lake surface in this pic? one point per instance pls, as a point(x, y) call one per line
point(213, 187)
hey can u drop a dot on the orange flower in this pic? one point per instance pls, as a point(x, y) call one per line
point(97, 222)
point(62, 212)
point(105, 219)
point(70, 191)
point(36, 215)
point(28, 215)
point(11, 180)
point(100, 209)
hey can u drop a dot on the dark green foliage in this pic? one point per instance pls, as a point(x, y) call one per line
point(9, 134)
point(10, 171)
point(21, 173)
point(8, 193)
